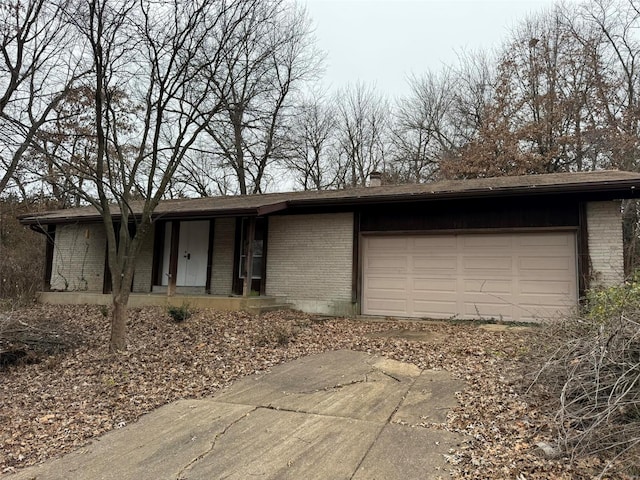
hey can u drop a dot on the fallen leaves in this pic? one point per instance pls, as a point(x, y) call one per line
point(56, 405)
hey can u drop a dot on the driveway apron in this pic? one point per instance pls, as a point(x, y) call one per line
point(335, 415)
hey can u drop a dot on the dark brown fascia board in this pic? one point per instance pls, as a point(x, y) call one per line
point(232, 212)
point(273, 208)
point(31, 219)
point(621, 190)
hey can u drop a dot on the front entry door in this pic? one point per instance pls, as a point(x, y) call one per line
point(193, 249)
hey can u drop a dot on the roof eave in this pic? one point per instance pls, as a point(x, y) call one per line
point(627, 189)
point(619, 189)
point(232, 212)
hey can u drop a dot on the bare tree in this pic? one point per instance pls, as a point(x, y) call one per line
point(162, 55)
point(312, 144)
point(37, 68)
point(363, 129)
point(616, 58)
point(271, 55)
point(199, 176)
point(475, 85)
point(422, 129)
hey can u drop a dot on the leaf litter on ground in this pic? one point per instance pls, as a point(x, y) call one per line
point(59, 401)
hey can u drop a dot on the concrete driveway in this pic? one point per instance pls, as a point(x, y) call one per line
point(336, 415)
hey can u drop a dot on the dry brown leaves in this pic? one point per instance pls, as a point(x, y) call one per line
point(52, 407)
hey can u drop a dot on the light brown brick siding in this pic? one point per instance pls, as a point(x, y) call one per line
point(223, 250)
point(78, 258)
point(144, 265)
point(604, 221)
point(309, 261)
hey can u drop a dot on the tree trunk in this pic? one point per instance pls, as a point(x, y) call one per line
point(118, 341)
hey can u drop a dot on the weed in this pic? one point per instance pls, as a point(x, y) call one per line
point(179, 314)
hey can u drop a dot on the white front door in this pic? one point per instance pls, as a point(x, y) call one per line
point(193, 248)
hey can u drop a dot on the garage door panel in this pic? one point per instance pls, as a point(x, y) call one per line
point(434, 309)
point(389, 307)
point(388, 295)
point(487, 286)
point(545, 240)
point(553, 263)
point(432, 297)
point(495, 310)
point(487, 263)
point(546, 287)
point(436, 285)
point(434, 243)
point(399, 283)
point(485, 241)
point(555, 301)
point(386, 244)
point(384, 294)
point(385, 263)
point(519, 276)
point(489, 298)
point(439, 263)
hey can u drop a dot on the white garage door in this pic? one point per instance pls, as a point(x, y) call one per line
point(518, 277)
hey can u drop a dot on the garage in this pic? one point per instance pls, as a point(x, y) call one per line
point(505, 276)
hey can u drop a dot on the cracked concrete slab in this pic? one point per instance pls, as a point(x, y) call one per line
point(338, 415)
point(341, 385)
point(402, 452)
point(155, 447)
point(287, 445)
point(432, 395)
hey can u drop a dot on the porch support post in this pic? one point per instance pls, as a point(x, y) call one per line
point(173, 257)
point(48, 263)
point(250, 235)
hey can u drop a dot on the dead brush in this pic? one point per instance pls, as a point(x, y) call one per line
point(29, 342)
point(595, 374)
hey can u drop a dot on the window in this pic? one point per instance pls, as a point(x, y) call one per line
point(258, 243)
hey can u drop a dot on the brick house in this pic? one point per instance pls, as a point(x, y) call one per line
point(515, 248)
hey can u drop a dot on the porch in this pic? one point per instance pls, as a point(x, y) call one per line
point(251, 304)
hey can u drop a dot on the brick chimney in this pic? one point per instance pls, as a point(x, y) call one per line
point(375, 179)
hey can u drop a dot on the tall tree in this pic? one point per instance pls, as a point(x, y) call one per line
point(617, 92)
point(422, 130)
point(37, 69)
point(161, 54)
point(312, 144)
point(363, 123)
point(542, 114)
point(270, 56)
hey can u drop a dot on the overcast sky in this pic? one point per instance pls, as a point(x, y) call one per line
point(383, 41)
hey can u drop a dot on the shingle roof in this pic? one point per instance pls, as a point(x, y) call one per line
point(622, 184)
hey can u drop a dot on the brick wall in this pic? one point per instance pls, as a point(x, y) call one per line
point(604, 221)
point(144, 265)
point(309, 261)
point(224, 234)
point(78, 258)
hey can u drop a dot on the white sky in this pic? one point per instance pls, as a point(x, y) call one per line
point(383, 41)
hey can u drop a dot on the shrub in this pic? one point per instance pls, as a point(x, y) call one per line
point(604, 303)
point(179, 314)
